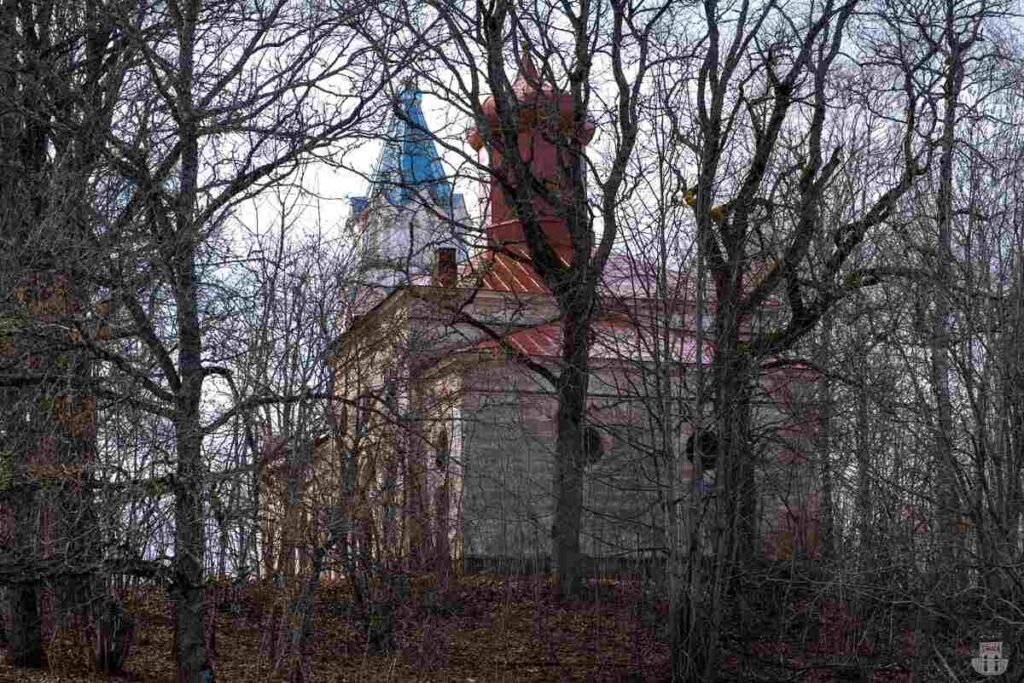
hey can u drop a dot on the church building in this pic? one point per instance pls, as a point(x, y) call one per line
point(446, 431)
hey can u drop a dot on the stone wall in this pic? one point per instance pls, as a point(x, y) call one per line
point(495, 494)
point(507, 458)
point(508, 451)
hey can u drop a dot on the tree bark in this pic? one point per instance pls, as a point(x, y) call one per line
point(732, 375)
point(568, 484)
point(190, 643)
point(25, 648)
point(863, 509)
point(825, 401)
point(189, 617)
point(947, 499)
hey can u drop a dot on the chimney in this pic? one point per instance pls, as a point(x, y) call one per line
point(446, 271)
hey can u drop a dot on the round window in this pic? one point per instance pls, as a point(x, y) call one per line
point(704, 444)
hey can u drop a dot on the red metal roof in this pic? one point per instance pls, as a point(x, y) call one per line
point(543, 341)
point(509, 270)
point(612, 342)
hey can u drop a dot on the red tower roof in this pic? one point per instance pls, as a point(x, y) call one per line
point(546, 119)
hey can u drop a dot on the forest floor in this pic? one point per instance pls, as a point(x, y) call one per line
point(481, 628)
point(488, 628)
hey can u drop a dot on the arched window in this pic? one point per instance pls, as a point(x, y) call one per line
point(362, 414)
point(442, 449)
point(593, 447)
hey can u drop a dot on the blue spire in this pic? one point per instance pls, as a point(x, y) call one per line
point(409, 162)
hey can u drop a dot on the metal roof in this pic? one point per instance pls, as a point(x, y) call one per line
point(612, 341)
point(509, 270)
point(409, 162)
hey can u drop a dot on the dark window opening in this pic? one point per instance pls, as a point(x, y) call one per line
point(391, 398)
point(593, 448)
point(705, 444)
point(442, 449)
point(362, 414)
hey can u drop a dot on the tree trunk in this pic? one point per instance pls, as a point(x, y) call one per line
point(675, 533)
point(568, 484)
point(690, 655)
point(863, 507)
point(732, 376)
point(189, 607)
point(76, 520)
point(735, 523)
point(1010, 433)
point(25, 646)
point(189, 545)
point(23, 138)
point(944, 462)
point(824, 439)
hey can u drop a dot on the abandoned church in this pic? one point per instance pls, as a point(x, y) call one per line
point(445, 427)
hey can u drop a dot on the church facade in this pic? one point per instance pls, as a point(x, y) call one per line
point(446, 431)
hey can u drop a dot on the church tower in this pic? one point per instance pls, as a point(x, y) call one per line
point(546, 126)
point(410, 210)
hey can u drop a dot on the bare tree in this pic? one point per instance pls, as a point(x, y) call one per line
point(283, 354)
point(497, 65)
point(61, 80)
point(767, 153)
point(223, 102)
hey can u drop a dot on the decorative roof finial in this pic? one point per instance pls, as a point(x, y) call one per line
point(529, 69)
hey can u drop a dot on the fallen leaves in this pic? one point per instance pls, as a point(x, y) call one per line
point(476, 628)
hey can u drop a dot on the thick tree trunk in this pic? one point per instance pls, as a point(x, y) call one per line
point(189, 541)
point(568, 484)
point(190, 642)
point(25, 646)
point(20, 518)
point(189, 608)
point(733, 377)
point(23, 133)
point(23, 444)
point(735, 523)
point(76, 520)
